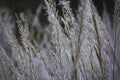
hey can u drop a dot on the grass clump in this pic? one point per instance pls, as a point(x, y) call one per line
point(71, 49)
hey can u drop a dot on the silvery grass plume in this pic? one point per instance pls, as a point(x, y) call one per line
point(81, 50)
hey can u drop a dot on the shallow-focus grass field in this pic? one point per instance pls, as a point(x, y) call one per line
point(63, 45)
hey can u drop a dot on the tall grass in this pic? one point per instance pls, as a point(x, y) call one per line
point(71, 49)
